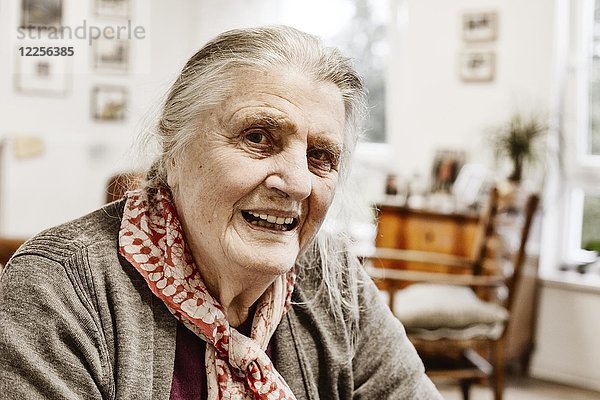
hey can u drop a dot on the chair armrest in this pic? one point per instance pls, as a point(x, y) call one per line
point(382, 253)
point(434, 277)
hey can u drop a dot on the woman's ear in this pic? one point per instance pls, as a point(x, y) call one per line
point(172, 174)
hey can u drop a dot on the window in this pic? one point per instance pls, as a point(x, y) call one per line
point(590, 228)
point(581, 135)
point(587, 80)
point(590, 201)
point(360, 30)
point(594, 131)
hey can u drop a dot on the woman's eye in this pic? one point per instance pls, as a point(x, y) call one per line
point(256, 137)
point(320, 159)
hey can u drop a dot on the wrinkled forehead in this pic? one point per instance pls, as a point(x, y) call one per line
point(283, 95)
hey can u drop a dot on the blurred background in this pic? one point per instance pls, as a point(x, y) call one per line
point(449, 82)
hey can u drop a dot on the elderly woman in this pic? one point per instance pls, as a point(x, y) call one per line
point(213, 281)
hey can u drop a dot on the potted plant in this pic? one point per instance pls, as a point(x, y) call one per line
point(519, 140)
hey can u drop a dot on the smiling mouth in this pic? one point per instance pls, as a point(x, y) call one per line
point(268, 221)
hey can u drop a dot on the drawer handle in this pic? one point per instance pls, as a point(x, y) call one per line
point(429, 237)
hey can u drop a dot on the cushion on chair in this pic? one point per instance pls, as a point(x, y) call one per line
point(384, 296)
point(442, 311)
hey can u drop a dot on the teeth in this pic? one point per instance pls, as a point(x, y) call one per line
point(266, 219)
point(268, 225)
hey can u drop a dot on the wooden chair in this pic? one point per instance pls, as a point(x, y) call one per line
point(8, 246)
point(458, 322)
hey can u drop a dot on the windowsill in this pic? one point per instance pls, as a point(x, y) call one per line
point(572, 280)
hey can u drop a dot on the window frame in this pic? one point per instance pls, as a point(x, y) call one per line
point(581, 170)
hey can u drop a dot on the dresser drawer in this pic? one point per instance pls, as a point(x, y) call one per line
point(404, 228)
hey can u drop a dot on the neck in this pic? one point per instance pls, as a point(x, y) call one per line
point(235, 290)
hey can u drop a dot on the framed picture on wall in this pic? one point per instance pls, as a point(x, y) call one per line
point(111, 55)
point(480, 26)
point(42, 75)
point(113, 8)
point(477, 65)
point(109, 103)
point(446, 165)
point(41, 13)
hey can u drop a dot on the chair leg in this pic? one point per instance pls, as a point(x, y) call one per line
point(465, 386)
point(498, 374)
point(525, 361)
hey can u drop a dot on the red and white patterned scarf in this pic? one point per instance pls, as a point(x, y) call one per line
point(237, 367)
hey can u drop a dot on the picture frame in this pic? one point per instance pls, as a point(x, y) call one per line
point(42, 75)
point(110, 55)
point(470, 184)
point(477, 65)
point(113, 8)
point(480, 26)
point(41, 13)
point(109, 103)
point(445, 168)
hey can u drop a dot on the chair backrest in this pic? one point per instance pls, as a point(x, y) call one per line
point(522, 212)
point(8, 246)
point(485, 231)
point(505, 232)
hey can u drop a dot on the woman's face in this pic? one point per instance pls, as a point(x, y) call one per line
point(253, 187)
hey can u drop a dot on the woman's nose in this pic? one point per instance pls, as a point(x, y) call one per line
point(291, 177)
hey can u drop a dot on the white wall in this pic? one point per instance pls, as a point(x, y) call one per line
point(431, 108)
point(567, 335)
point(214, 16)
point(80, 154)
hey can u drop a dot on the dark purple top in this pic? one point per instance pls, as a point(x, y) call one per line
point(189, 374)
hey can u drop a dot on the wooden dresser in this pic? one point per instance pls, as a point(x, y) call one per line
point(425, 230)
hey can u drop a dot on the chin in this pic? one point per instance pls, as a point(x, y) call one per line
point(273, 267)
point(268, 256)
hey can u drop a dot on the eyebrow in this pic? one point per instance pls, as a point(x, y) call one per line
point(325, 144)
point(269, 121)
point(274, 123)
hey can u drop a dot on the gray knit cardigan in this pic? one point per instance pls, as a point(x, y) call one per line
point(77, 321)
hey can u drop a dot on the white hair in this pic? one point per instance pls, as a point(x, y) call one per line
point(207, 79)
